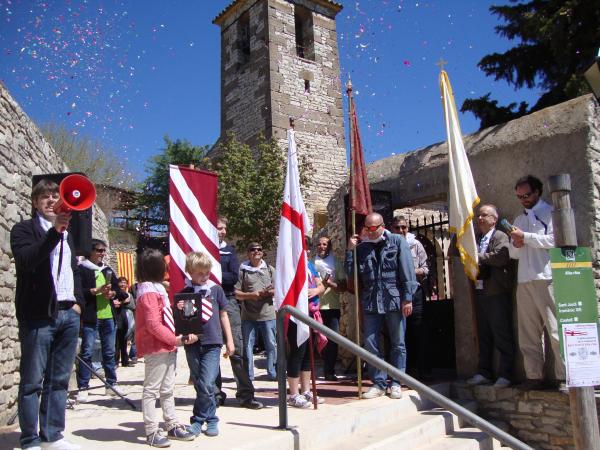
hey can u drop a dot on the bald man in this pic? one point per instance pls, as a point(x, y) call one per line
point(387, 284)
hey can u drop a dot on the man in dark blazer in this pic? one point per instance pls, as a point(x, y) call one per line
point(493, 304)
point(101, 290)
point(48, 302)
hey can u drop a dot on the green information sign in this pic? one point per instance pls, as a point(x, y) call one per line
point(574, 289)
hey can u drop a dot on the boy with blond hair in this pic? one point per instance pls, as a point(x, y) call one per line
point(203, 355)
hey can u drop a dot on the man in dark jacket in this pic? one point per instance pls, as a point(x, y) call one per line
point(48, 302)
point(493, 302)
point(387, 284)
point(229, 269)
point(100, 289)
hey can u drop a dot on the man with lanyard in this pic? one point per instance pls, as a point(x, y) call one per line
point(387, 284)
point(531, 237)
point(333, 278)
point(416, 333)
point(48, 303)
point(229, 270)
point(493, 302)
point(100, 289)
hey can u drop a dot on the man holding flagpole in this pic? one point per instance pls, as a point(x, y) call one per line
point(388, 282)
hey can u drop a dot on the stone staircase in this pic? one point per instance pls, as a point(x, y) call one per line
point(410, 423)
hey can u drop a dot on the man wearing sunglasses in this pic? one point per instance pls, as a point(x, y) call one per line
point(387, 284)
point(531, 237)
point(102, 294)
point(254, 289)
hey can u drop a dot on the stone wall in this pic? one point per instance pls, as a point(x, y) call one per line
point(23, 153)
point(259, 93)
point(542, 419)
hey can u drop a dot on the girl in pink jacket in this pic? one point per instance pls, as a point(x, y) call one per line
point(157, 343)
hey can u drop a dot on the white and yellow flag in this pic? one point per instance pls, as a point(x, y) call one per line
point(462, 193)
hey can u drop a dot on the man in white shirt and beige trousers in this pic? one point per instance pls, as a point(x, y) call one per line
point(531, 237)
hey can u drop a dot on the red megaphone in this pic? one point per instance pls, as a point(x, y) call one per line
point(77, 193)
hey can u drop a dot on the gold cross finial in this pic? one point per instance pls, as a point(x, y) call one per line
point(441, 63)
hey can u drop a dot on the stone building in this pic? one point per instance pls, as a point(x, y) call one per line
point(23, 153)
point(279, 59)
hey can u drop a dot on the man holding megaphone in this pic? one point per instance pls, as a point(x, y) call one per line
point(48, 303)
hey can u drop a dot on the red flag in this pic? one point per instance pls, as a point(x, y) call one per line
point(291, 277)
point(193, 221)
point(360, 195)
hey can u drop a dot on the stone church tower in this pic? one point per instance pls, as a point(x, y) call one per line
point(279, 59)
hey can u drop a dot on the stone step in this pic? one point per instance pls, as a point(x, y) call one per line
point(464, 439)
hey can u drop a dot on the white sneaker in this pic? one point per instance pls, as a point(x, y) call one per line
point(298, 401)
point(478, 379)
point(61, 444)
point(111, 393)
point(82, 397)
point(309, 397)
point(373, 392)
point(502, 383)
point(396, 392)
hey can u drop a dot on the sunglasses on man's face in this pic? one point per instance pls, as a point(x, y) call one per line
point(525, 196)
point(99, 250)
point(256, 249)
point(399, 227)
point(373, 227)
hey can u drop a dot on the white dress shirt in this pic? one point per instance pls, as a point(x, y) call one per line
point(534, 259)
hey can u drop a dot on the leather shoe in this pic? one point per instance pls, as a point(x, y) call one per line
point(252, 404)
point(331, 377)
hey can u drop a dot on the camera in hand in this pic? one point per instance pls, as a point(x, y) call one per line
point(188, 320)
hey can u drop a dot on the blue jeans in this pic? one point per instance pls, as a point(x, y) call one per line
point(268, 331)
point(106, 329)
point(396, 325)
point(203, 361)
point(48, 349)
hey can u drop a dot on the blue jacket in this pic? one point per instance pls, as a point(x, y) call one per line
point(387, 280)
point(230, 268)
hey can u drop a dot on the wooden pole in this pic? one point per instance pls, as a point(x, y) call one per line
point(584, 415)
point(354, 263)
point(312, 368)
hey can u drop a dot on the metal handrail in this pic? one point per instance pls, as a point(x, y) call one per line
point(422, 389)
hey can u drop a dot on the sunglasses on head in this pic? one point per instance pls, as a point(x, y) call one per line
point(373, 227)
point(256, 249)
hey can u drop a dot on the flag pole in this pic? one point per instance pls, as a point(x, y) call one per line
point(312, 368)
point(354, 264)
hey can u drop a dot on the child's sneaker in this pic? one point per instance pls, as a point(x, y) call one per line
point(157, 439)
point(309, 398)
point(212, 429)
point(195, 428)
point(180, 433)
point(298, 401)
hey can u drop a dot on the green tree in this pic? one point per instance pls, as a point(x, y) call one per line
point(82, 154)
point(153, 198)
point(556, 41)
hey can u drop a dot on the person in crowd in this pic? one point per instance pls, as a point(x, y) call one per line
point(122, 324)
point(230, 270)
point(416, 332)
point(131, 337)
point(204, 351)
point(298, 357)
point(157, 343)
point(254, 289)
point(531, 237)
point(387, 276)
point(100, 289)
point(493, 302)
point(333, 278)
point(48, 303)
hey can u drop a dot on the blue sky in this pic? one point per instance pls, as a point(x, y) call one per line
point(128, 72)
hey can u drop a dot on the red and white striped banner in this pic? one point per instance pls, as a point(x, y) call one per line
point(125, 266)
point(291, 276)
point(193, 222)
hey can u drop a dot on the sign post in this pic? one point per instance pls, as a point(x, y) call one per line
point(583, 403)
